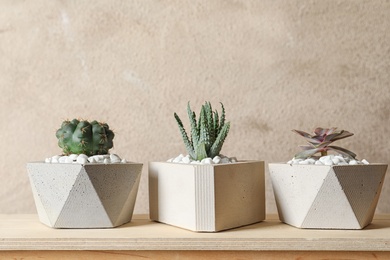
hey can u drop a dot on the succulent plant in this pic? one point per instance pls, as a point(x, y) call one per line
point(207, 135)
point(83, 137)
point(320, 142)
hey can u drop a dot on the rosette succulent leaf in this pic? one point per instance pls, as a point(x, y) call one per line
point(321, 142)
point(207, 134)
point(83, 137)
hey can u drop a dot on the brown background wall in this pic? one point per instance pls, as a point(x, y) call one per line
point(276, 66)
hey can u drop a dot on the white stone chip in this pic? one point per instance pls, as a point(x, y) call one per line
point(62, 159)
point(207, 161)
point(353, 162)
point(225, 160)
point(216, 159)
point(328, 162)
point(364, 161)
point(177, 159)
point(186, 159)
point(69, 159)
point(115, 158)
point(335, 161)
point(233, 159)
point(311, 161)
point(106, 161)
point(73, 157)
point(81, 160)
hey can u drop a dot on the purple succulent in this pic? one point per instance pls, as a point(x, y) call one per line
point(320, 142)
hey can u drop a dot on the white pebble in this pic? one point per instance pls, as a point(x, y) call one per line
point(91, 159)
point(62, 159)
point(123, 161)
point(311, 161)
point(353, 162)
point(328, 162)
point(296, 161)
point(225, 160)
point(216, 159)
point(186, 159)
point(195, 162)
point(115, 158)
point(340, 158)
point(170, 160)
point(83, 156)
point(335, 161)
point(364, 161)
point(318, 163)
point(73, 157)
point(207, 161)
point(233, 159)
point(177, 159)
point(106, 161)
point(304, 162)
point(98, 158)
point(81, 160)
point(47, 160)
point(324, 158)
point(68, 160)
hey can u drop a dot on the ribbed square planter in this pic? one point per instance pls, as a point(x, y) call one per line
point(207, 198)
point(84, 196)
point(327, 197)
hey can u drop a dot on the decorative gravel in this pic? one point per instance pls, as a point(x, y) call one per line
point(329, 160)
point(84, 159)
point(186, 159)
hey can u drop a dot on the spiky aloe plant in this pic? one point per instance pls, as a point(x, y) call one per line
point(83, 137)
point(320, 142)
point(207, 134)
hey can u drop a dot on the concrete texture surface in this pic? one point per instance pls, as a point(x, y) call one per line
point(276, 66)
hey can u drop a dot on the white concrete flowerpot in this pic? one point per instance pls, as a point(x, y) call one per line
point(327, 197)
point(84, 196)
point(207, 198)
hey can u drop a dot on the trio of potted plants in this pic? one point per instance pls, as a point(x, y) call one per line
point(86, 187)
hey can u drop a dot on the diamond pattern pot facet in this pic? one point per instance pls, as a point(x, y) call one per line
point(327, 197)
point(84, 196)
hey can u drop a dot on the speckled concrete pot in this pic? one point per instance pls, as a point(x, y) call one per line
point(207, 198)
point(84, 196)
point(327, 197)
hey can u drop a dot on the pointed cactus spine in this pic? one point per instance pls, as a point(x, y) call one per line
point(83, 137)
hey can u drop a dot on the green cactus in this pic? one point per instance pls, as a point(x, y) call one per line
point(207, 135)
point(83, 137)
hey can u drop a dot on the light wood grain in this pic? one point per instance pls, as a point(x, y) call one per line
point(25, 232)
point(193, 255)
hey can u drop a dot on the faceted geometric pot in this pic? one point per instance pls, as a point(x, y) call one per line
point(84, 196)
point(327, 197)
point(207, 198)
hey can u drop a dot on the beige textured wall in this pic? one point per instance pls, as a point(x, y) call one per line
point(276, 65)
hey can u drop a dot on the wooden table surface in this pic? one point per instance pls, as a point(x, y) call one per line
point(23, 236)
